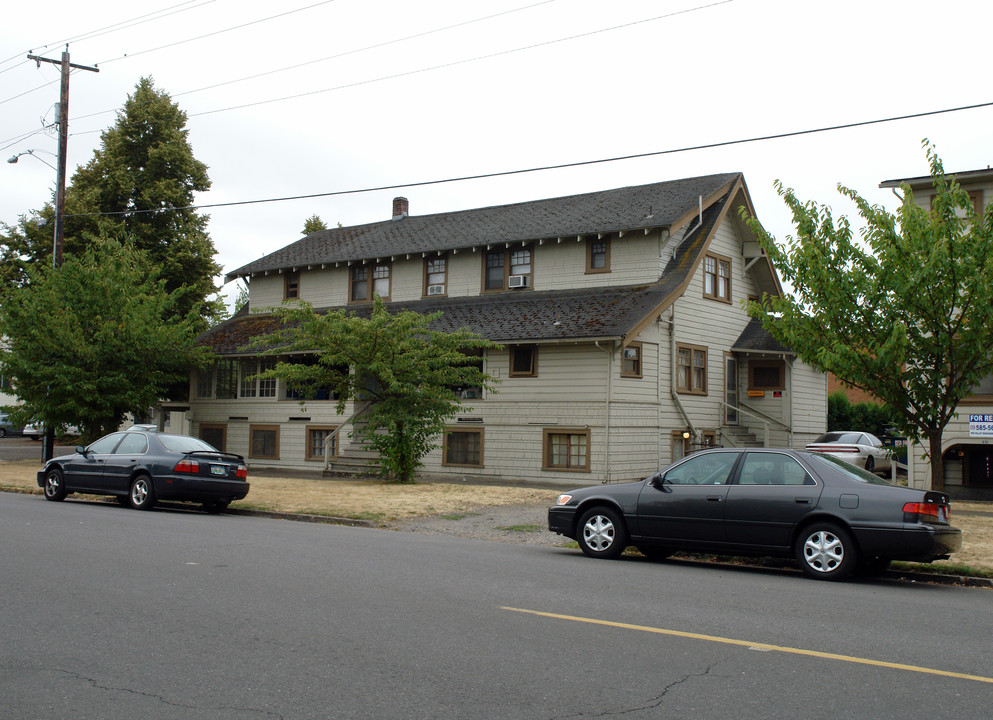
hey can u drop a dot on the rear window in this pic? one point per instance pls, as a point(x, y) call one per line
point(840, 467)
point(184, 444)
point(839, 437)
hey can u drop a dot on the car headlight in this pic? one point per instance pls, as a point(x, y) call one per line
point(563, 499)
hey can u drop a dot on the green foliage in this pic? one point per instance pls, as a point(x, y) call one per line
point(94, 339)
point(865, 416)
point(313, 224)
point(145, 163)
point(906, 313)
point(396, 363)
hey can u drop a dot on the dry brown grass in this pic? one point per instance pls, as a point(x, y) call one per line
point(366, 499)
point(374, 500)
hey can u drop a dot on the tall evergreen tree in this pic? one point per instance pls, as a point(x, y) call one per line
point(138, 189)
point(144, 177)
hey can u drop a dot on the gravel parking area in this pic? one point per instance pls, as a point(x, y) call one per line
point(521, 524)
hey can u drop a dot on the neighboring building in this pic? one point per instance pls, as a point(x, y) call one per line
point(967, 442)
point(626, 343)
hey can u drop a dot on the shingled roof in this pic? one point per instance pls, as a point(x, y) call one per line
point(659, 205)
point(603, 313)
point(756, 339)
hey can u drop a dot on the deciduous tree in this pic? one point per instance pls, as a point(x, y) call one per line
point(396, 362)
point(93, 340)
point(906, 313)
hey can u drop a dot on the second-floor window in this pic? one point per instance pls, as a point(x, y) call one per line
point(631, 361)
point(291, 285)
point(507, 268)
point(436, 276)
point(598, 256)
point(717, 277)
point(369, 280)
point(691, 369)
point(523, 361)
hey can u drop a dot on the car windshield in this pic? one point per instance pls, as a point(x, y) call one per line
point(839, 437)
point(848, 470)
point(184, 444)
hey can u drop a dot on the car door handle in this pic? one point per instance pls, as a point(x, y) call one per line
point(803, 501)
point(713, 498)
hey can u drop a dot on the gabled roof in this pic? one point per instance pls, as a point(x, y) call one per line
point(756, 339)
point(640, 207)
point(969, 177)
point(584, 314)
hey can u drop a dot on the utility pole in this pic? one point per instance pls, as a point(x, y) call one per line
point(60, 191)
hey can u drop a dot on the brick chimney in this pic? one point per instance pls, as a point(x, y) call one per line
point(400, 208)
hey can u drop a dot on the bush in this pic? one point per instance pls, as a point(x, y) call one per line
point(866, 417)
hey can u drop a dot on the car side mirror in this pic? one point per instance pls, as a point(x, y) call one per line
point(657, 481)
point(81, 450)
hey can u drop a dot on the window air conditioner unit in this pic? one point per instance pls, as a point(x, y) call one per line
point(517, 281)
point(436, 289)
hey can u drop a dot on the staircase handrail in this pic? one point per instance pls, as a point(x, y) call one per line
point(329, 438)
point(764, 422)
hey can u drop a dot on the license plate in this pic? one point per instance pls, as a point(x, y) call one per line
point(218, 470)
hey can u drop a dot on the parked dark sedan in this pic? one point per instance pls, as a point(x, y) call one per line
point(834, 518)
point(140, 468)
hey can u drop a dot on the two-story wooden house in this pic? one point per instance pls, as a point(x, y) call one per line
point(967, 442)
point(625, 341)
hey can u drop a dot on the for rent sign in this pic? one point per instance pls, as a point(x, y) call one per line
point(981, 426)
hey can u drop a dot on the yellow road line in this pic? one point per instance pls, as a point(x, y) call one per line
point(756, 646)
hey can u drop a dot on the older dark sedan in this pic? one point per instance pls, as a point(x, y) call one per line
point(140, 467)
point(834, 518)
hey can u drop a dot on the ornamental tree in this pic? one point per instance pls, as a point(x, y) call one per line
point(405, 371)
point(905, 313)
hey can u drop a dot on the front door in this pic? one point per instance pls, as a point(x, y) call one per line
point(731, 390)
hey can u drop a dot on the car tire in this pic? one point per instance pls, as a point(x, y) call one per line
point(142, 493)
point(870, 464)
point(601, 533)
point(825, 551)
point(215, 507)
point(55, 486)
point(655, 552)
point(3, 432)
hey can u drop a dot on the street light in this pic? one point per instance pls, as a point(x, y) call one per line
point(32, 154)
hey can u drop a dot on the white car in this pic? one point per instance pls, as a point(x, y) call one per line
point(37, 432)
point(858, 448)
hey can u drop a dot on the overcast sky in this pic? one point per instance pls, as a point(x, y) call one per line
point(383, 92)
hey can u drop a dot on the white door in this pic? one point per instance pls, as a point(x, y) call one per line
point(731, 390)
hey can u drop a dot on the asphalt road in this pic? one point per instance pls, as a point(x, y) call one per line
point(112, 613)
point(13, 447)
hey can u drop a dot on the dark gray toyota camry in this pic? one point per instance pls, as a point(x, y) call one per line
point(835, 519)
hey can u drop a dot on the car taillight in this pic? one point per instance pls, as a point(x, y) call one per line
point(241, 472)
point(187, 466)
point(927, 511)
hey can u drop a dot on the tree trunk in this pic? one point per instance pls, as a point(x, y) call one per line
point(937, 461)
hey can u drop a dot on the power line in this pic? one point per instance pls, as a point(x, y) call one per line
point(454, 63)
point(580, 163)
point(364, 49)
point(216, 32)
point(122, 25)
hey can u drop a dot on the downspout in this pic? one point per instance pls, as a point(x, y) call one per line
point(672, 372)
point(606, 448)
